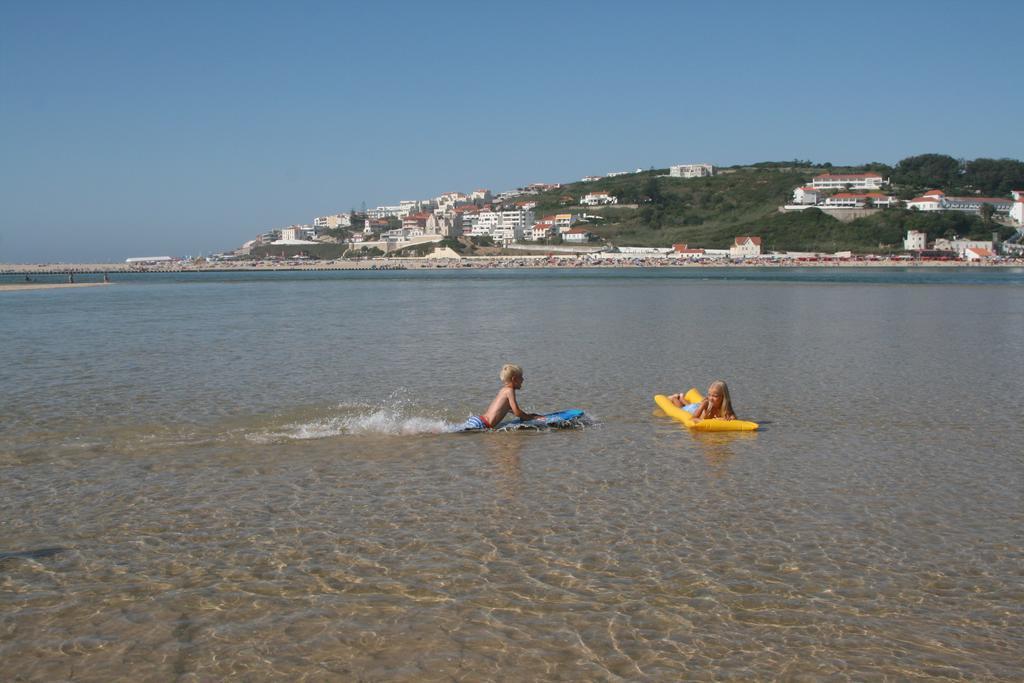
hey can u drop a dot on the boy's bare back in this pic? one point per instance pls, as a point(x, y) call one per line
point(505, 402)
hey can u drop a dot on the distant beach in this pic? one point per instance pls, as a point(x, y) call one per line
point(384, 263)
point(48, 285)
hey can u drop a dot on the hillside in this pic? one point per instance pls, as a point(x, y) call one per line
point(710, 212)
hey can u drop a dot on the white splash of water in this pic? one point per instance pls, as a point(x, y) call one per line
point(385, 421)
point(366, 421)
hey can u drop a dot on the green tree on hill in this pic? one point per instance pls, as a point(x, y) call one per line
point(928, 171)
point(995, 177)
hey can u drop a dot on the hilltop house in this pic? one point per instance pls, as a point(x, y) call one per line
point(444, 224)
point(806, 195)
point(541, 230)
point(598, 199)
point(853, 181)
point(332, 222)
point(577, 235)
point(745, 247)
point(691, 170)
point(937, 200)
point(852, 200)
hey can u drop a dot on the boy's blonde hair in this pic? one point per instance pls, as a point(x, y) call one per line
point(510, 372)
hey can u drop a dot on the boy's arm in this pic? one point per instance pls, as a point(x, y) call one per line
point(516, 410)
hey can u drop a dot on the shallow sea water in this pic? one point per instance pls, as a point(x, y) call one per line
point(246, 475)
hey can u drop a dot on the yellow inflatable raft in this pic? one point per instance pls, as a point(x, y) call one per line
point(715, 424)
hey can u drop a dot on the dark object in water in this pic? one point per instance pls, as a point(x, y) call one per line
point(30, 554)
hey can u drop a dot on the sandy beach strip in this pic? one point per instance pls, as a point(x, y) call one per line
point(492, 261)
point(49, 285)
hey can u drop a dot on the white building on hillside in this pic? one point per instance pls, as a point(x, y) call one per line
point(853, 181)
point(691, 170)
point(449, 200)
point(915, 241)
point(929, 201)
point(745, 247)
point(853, 200)
point(446, 225)
point(1017, 210)
point(541, 230)
point(936, 200)
point(332, 222)
point(503, 226)
point(297, 233)
point(387, 212)
point(806, 195)
point(598, 199)
point(577, 235)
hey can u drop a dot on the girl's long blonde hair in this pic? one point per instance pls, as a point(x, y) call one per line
point(727, 409)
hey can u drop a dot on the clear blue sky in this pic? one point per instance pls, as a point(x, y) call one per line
point(145, 128)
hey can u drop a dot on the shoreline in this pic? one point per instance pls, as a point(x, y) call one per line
point(384, 263)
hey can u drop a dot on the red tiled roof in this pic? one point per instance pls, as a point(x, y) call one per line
point(744, 238)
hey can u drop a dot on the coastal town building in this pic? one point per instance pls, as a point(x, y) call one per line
point(541, 230)
point(590, 178)
point(978, 254)
point(937, 200)
point(929, 201)
point(643, 251)
point(467, 217)
point(446, 225)
point(598, 199)
point(564, 221)
point(577, 235)
point(851, 181)
point(691, 170)
point(504, 226)
point(387, 212)
point(535, 188)
point(296, 234)
point(806, 195)
point(416, 221)
point(960, 246)
point(480, 196)
point(745, 246)
point(915, 241)
point(1017, 210)
point(852, 200)
point(333, 222)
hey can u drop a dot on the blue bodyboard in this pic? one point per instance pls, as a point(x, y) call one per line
point(561, 419)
